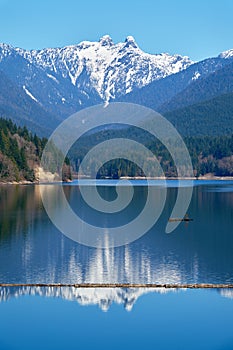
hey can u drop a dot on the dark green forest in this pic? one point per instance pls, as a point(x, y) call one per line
point(209, 154)
point(20, 153)
point(211, 117)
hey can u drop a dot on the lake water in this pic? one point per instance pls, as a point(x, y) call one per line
point(193, 319)
point(32, 250)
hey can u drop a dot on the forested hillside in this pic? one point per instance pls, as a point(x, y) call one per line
point(209, 118)
point(20, 152)
point(209, 154)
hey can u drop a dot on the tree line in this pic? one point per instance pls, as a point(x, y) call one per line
point(20, 153)
point(209, 154)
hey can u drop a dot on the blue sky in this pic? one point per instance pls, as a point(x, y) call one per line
point(199, 28)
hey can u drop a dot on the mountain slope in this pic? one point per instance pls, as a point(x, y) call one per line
point(55, 94)
point(218, 83)
point(211, 117)
point(65, 80)
point(22, 109)
point(111, 69)
point(158, 94)
point(40, 88)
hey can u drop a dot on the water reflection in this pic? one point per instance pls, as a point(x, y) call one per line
point(103, 297)
point(20, 210)
point(33, 251)
point(227, 293)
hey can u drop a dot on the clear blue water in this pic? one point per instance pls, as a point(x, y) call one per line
point(33, 251)
point(193, 319)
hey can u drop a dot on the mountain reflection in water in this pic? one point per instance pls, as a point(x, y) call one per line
point(33, 251)
point(103, 297)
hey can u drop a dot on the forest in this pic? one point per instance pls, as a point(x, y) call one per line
point(20, 153)
point(209, 154)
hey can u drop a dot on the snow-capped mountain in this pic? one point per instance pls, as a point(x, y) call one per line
point(57, 82)
point(61, 81)
point(111, 69)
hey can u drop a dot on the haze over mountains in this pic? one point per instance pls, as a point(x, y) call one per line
point(40, 88)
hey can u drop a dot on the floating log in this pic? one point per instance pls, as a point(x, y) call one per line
point(177, 219)
point(185, 218)
point(123, 285)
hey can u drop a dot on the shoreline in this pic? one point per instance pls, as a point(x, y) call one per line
point(210, 178)
point(138, 178)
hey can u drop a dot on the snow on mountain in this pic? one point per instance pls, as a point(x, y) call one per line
point(111, 69)
point(226, 54)
point(29, 94)
point(62, 81)
point(5, 50)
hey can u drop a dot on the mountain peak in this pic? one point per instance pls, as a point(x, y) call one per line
point(130, 41)
point(106, 40)
point(100, 69)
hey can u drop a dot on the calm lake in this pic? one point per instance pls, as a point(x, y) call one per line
point(32, 250)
